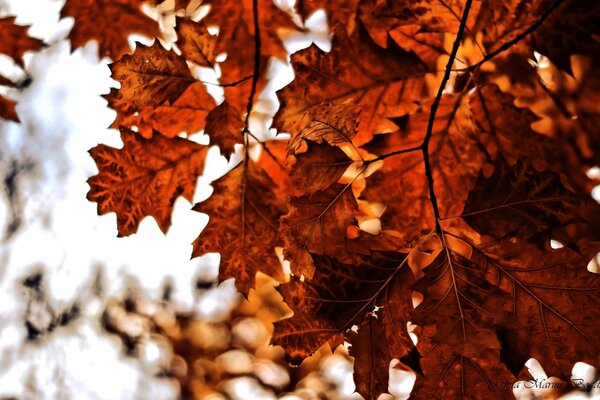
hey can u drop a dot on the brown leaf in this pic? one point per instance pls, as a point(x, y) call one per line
point(318, 168)
point(186, 114)
point(383, 337)
point(244, 213)
point(339, 296)
point(545, 208)
point(15, 40)
point(572, 29)
point(464, 307)
point(149, 77)
point(332, 124)
point(109, 22)
point(145, 177)
point(195, 42)
point(384, 82)
point(224, 126)
point(318, 224)
point(491, 109)
point(552, 300)
point(449, 375)
point(229, 14)
point(7, 109)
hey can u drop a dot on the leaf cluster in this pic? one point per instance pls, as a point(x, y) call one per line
point(435, 153)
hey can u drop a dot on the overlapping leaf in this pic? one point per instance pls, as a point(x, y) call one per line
point(389, 87)
point(109, 22)
point(145, 177)
point(149, 77)
point(186, 114)
point(244, 215)
point(339, 296)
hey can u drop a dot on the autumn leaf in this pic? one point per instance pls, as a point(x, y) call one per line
point(196, 43)
point(229, 14)
point(109, 22)
point(319, 167)
point(7, 109)
point(381, 338)
point(145, 177)
point(389, 87)
point(332, 124)
point(148, 77)
point(186, 114)
point(571, 29)
point(224, 126)
point(317, 224)
point(552, 294)
point(538, 198)
point(16, 41)
point(339, 296)
point(244, 216)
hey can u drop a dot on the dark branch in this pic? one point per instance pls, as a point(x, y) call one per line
point(434, 107)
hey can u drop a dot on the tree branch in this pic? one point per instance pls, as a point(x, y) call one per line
point(434, 107)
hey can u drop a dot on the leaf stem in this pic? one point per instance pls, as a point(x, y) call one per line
point(394, 153)
point(434, 108)
point(256, 74)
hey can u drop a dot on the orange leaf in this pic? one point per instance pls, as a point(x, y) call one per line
point(7, 109)
point(15, 40)
point(224, 126)
point(244, 216)
point(145, 177)
point(150, 76)
point(186, 114)
point(109, 22)
point(195, 42)
point(389, 86)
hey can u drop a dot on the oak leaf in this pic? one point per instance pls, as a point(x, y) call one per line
point(571, 29)
point(318, 224)
point(332, 124)
point(148, 77)
point(388, 87)
point(186, 114)
point(538, 198)
point(224, 126)
point(339, 296)
point(320, 166)
point(244, 213)
point(7, 109)
point(109, 22)
point(229, 14)
point(195, 42)
point(145, 177)
point(16, 41)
